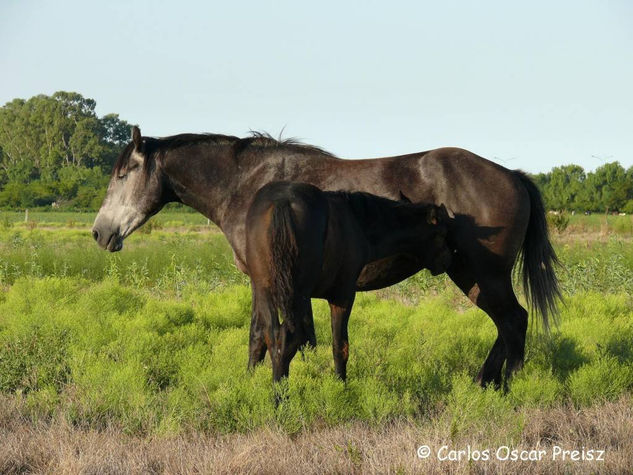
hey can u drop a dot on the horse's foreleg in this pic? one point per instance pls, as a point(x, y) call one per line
point(340, 311)
point(239, 263)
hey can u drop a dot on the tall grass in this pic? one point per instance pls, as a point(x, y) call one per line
point(180, 217)
point(103, 354)
point(166, 261)
point(162, 261)
point(154, 340)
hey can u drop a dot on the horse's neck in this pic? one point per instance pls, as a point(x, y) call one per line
point(219, 185)
point(395, 243)
point(204, 179)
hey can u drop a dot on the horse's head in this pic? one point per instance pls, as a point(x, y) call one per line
point(135, 193)
point(438, 254)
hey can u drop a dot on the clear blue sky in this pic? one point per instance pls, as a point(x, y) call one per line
point(530, 85)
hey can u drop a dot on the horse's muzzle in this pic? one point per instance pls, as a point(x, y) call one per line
point(107, 240)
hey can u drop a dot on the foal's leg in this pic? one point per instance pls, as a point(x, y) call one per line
point(257, 342)
point(267, 333)
point(292, 341)
point(285, 339)
point(340, 310)
point(276, 335)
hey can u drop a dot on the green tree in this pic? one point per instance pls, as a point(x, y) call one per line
point(44, 133)
point(115, 134)
point(612, 187)
point(57, 142)
point(563, 187)
point(18, 142)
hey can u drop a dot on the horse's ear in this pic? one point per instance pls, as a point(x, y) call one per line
point(404, 198)
point(431, 216)
point(442, 213)
point(136, 137)
point(445, 213)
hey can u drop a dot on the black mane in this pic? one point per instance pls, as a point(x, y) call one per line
point(155, 147)
point(265, 140)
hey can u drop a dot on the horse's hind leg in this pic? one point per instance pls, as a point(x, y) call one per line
point(495, 296)
point(497, 299)
point(340, 311)
point(490, 371)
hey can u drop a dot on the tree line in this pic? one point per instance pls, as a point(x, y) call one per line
point(55, 150)
point(609, 188)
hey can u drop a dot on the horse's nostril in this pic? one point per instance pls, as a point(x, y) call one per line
point(95, 234)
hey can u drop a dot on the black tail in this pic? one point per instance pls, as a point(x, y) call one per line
point(539, 279)
point(283, 240)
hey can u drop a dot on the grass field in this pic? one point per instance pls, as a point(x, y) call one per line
point(137, 361)
point(68, 219)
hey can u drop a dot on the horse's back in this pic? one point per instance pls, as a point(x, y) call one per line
point(489, 202)
point(467, 181)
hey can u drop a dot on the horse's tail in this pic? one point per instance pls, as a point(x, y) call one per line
point(539, 258)
point(283, 238)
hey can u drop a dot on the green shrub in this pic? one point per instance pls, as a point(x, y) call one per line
point(602, 379)
point(559, 221)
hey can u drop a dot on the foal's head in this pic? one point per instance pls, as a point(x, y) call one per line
point(437, 255)
point(136, 192)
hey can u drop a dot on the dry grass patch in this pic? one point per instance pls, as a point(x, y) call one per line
point(57, 447)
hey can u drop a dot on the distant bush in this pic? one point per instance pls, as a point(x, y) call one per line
point(18, 195)
point(152, 225)
point(38, 194)
point(558, 221)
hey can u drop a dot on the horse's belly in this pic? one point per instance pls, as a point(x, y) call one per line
point(388, 271)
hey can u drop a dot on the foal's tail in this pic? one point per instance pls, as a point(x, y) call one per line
point(283, 238)
point(539, 279)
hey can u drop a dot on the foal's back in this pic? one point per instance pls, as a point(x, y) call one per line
point(286, 229)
